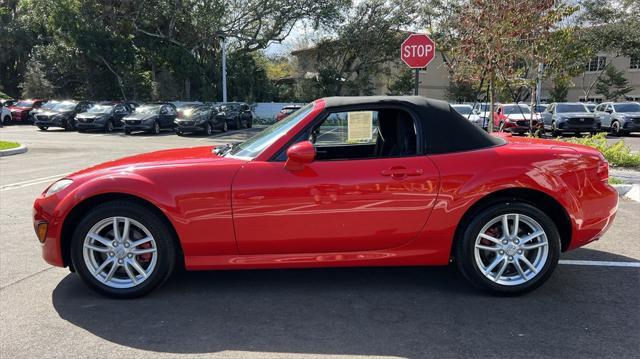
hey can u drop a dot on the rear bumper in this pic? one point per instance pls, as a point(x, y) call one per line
point(599, 208)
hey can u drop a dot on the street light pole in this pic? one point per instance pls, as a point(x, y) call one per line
point(224, 67)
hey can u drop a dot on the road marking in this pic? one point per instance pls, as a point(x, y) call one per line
point(599, 263)
point(30, 182)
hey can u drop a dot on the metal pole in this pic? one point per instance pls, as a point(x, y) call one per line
point(417, 82)
point(539, 83)
point(224, 69)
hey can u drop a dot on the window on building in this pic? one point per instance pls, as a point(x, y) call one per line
point(634, 63)
point(596, 63)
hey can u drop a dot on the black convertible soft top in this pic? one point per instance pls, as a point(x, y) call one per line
point(444, 130)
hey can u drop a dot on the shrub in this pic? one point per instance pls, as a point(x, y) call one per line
point(618, 154)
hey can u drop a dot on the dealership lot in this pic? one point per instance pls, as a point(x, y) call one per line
point(583, 311)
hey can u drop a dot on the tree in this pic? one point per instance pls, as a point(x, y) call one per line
point(560, 89)
point(402, 83)
point(613, 85)
point(502, 40)
point(35, 83)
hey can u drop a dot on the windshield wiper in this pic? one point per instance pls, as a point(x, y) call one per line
point(224, 149)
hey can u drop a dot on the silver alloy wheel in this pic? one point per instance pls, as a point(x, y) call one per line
point(120, 252)
point(225, 126)
point(511, 249)
point(615, 126)
point(156, 128)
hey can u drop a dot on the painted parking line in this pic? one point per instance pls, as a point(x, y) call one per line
point(32, 182)
point(599, 263)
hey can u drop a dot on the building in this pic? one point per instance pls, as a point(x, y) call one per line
point(434, 80)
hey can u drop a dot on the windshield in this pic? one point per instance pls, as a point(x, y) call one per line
point(148, 109)
point(64, 106)
point(100, 109)
point(570, 107)
point(464, 110)
point(515, 109)
point(627, 107)
point(540, 108)
point(256, 144)
point(483, 107)
point(24, 104)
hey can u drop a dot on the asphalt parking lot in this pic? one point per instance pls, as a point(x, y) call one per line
point(591, 310)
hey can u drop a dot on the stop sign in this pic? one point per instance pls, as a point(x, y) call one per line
point(417, 51)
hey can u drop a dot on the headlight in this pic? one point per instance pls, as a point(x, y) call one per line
point(561, 118)
point(58, 186)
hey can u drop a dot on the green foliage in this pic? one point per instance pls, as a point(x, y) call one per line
point(613, 85)
point(6, 145)
point(560, 90)
point(618, 154)
point(35, 83)
point(402, 83)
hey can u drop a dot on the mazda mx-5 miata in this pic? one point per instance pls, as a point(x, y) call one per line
point(345, 181)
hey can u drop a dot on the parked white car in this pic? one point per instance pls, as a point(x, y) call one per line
point(468, 112)
point(5, 115)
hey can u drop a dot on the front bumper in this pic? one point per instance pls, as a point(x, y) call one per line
point(573, 125)
point(138, 125)
point(48, 122)
point(189, 126)
point(631, 125)
point(521, 126)
point(44, 209)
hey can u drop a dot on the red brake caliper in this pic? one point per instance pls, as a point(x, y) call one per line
point(144, 258)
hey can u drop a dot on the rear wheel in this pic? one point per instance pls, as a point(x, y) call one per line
point(508, 248)
point(179, 133)
point(554, 130)
point(225, 126)
point(207, 129)
point(5, 120)
point(156, 128)
point(123, 250)
point(68, 125)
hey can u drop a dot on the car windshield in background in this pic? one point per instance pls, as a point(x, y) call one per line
point(288, 110)
point(256, 144)
point(148, 109)
point(514, 109)
point(463, 110)
point(540, 108)
point(483, 107)
point(627, 107)
point(101, 109)
point(24, 104)
point(570, 107)
point(64, 106)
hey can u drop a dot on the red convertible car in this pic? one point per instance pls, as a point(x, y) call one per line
point(345, 181)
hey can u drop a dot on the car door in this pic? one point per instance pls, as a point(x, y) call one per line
point(336, 203)
point(119, 112)
point(606, 115)
point(547, 115)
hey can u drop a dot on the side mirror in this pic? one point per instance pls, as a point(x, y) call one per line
point(300, 154)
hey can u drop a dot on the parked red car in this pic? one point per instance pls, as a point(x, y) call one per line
point(20, 110)
point(515, 118)
point(286, 111)
point(348, 181)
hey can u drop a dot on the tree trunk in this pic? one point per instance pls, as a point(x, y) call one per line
point(492, 95)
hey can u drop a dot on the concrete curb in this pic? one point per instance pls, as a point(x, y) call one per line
point(14, 151)
point(629, 191)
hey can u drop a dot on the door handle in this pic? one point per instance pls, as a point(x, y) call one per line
point(401, 172)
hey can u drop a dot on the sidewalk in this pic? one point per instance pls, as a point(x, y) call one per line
point(626, 175)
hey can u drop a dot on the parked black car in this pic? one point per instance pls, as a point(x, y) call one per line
point(237, 114)
point(47, 106)
point(62, 114)
point(199, 118)
point(105, 116)
point(150, 117)
point(569, 117)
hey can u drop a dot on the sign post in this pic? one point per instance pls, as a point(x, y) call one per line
point(417, 51)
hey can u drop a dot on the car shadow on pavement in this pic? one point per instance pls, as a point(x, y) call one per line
point(406, 312)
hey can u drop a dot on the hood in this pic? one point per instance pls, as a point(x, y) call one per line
point(166, 158)
point(576, 114)
point(140, 116)
point(19, 109)
point(92, 114)
point(50, 113)
point(525, 116)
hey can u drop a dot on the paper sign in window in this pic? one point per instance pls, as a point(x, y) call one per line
point(359, 126)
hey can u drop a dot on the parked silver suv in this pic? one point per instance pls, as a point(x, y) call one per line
point(619, 118)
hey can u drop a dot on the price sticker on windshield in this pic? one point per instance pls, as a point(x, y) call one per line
point(359, 126)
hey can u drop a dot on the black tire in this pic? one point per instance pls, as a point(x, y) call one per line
point(127, 131)
point(250, 122)
point(179, 133)
point(69, 126)
point(108, 127)
point(465, 246)
point(43, 128)
point(615, 128)
point(237, 124)
point(207, 129)
point(554, 130)
point(5, 121)
point(225, 126)
point(164, 240)
point(156, 128)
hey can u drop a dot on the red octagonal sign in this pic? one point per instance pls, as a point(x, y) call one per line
point(417, 51)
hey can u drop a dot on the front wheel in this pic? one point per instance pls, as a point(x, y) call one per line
point(615, 128)
point(123, 250)
point(225, 126)
point(156, 128)
point(554, 130)
point(508, 248)
point(108, 127)
point(43, 128)
point(207, 129)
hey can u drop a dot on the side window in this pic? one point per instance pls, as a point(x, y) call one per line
point(365, 134)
